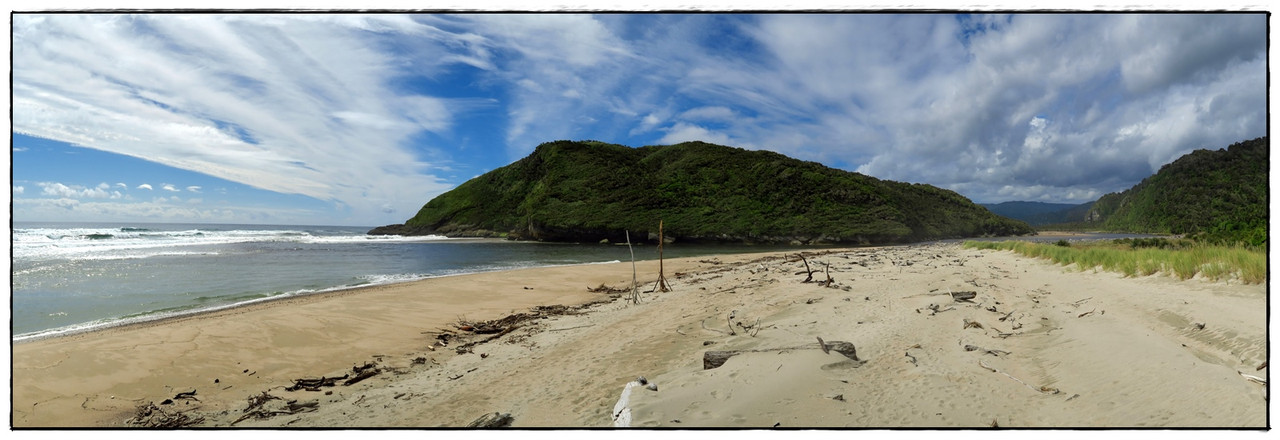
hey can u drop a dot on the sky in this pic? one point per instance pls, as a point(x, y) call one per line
point(359, 119)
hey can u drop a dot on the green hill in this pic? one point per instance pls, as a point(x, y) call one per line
point(1219, 196)
point(588, 191)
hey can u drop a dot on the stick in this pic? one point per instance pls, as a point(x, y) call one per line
point(569, 328)
point(808, 279)
point(1045, 390)
point(1255, 379)
point(635, 286)
point(662, 279)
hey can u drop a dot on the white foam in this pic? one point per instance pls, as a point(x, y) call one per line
point(118, 243)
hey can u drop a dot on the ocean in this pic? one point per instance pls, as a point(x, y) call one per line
point(69, 277)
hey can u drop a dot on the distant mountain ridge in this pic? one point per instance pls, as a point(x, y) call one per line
point(1218, 195)
point(591, 191)
point(1041, 213)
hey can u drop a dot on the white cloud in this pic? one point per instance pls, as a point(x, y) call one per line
point(194, 189)
point(146, 186)
point(169, 187)
point(55, 189)
point(281, 99)
point(18, 190)
point(683, 132)
point(122, 185)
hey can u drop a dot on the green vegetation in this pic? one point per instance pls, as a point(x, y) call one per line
point(586, 191)
point(1216, 197)
point(1141, 257)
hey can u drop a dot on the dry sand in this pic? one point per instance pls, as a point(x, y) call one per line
point(1052, 347)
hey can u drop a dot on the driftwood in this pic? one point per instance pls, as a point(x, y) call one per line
point(809, 277)
point(1043, 389)
point(715, 358)
point(492, 420)
point(310, 384)
point(257, 407)
point(662, 279)
point(361, 374)
point(965, 296)
point(152, 416)
point(990, 352)
point(1254, 379)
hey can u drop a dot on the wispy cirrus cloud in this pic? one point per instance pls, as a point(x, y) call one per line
point(273, 101)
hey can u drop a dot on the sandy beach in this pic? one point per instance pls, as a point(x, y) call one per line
point(1037, 345)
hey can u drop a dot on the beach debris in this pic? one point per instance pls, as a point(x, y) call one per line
point(830, 282)
point(492, 420)
point(314, 384)
point(602, 288)
point(1006, 316)
point(1254, 379)
point(914, 361)
point(963, 296)
point(807, 271)
point(935, 309)
point(622, 409)
point(996, 353)
point(751, 329)
point(732, 314)
point(975, 324)
point(261, 407)
point(994, 424)
point(1198, 325)
point(369, 369)
point(839, 397)
point(152, 416)
point(1043, 389)
point(1260, 367)
point(1086, 313)
point(715, 358)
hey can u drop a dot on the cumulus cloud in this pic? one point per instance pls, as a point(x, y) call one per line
point(55, 189)
point(145, 186)
point(18, 190)
point(169, 187)
point(194, 189)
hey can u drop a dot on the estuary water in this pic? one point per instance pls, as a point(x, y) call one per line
point(69, 277)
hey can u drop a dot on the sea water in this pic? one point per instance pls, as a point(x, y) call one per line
point(70, 277)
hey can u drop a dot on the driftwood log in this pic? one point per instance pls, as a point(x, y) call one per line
point(492, 420)
point(715, 358)
point(965, 296)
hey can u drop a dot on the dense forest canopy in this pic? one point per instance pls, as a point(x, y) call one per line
point(1212, 195)
point(587, 191)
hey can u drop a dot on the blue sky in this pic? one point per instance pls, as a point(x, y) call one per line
point(359, 119)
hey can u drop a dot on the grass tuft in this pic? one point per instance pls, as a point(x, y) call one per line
point(1183, 260)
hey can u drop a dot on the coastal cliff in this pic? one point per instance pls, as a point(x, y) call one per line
point(590, 191)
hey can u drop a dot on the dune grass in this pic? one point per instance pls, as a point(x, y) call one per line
point(1181, 260)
